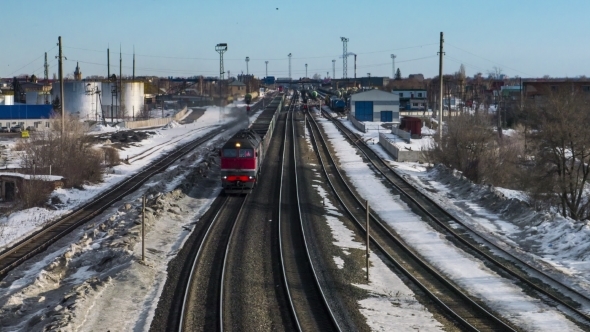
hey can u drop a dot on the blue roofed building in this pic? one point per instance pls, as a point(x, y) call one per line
point(36, 116)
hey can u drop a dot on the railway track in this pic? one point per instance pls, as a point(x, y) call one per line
point(547, 287)
point(161, 146)
point(197, 308)
point(309, 305)
point(456, 304)
point(40, 240)
point(253, 296)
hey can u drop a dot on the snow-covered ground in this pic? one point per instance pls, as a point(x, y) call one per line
point(544, 240)
point(77, 285)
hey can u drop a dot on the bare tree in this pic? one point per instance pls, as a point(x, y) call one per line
point(470, 145)
point(561, 150)
point(495, 73)
point(71, 155)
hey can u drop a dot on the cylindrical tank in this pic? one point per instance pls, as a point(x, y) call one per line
point(8, 100)
point(131, 104)
point(79, 98)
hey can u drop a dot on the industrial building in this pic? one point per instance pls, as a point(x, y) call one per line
point(375, 105)
point(36, 116)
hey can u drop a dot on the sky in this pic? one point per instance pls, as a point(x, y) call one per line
point(178, 37)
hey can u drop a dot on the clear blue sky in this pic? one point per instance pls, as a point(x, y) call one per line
point(177, 37)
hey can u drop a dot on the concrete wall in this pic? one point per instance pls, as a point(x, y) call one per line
point(398, 153)
point(356, 123)
point(154, 122)
point(401, 133)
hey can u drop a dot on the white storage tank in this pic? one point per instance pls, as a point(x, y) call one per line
point(80, 98)
point(8, 100)
point(37, 97)
point(132, 98)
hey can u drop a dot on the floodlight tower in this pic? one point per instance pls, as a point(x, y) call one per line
point(247, 60)
point(221, 48)
point(266, 62)
point(344, 56)
point(393, 56)
point(289, 65)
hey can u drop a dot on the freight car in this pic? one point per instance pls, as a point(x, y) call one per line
point(242, 155)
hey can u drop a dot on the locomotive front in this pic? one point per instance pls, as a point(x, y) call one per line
point(239, 163)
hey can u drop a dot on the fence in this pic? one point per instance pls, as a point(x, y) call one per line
point(387, 141)
point(356, 123)
point(156, 122)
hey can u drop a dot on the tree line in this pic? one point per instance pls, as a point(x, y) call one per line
point(547, 156)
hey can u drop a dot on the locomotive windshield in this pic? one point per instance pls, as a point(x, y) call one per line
point(246, 153)
point(233, 153)
point(230, 153)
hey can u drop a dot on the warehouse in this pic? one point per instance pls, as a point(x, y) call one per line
point(375, 105)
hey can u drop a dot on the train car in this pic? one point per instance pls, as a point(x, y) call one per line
point(242, 155)
point(337, 104)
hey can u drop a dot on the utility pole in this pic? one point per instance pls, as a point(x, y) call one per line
point(393, 56)
point(289, 65)
point(440, 78)
point(109, 65)
point(247, 60)
point(333, 68)
point(355, 67)
point(120, 87)
point(61, 89)
point(344, 56)
point(134, 62)
point(46, 72)
point(266, 62)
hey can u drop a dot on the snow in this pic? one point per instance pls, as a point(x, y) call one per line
point(501, 294)
point(391, 305)
point(77, 285)
point(78, 282)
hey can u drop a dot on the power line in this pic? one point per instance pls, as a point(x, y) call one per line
point(463, 62)
point(254, 59)
point(42, 55)
point(499, 64)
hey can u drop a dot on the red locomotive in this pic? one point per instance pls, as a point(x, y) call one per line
point(241, 158)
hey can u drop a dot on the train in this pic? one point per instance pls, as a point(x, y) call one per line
point(242, 155)
point(337, 104)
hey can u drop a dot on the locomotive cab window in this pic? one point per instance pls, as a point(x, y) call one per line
point(246, 153)
point(230, 153)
